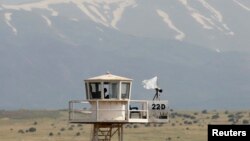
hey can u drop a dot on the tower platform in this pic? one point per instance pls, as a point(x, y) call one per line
point(134, 111)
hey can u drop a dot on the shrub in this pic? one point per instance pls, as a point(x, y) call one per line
point(215, 116)
point(62, 129)
point(32, 129)
point(231, 120)
point(168, 139)
point(21, 131)
point(136, 126)
point(226, 112)
point(70, 128)
point(35, 123)
point(230, 116)
point(78, 134)
point(188, 122)
point(245, 121)
point(51, 134)
point(204, 111)
point(195, 121)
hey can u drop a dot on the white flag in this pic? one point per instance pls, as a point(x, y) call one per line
point(151, 83)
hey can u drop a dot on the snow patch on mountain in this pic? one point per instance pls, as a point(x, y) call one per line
point(118, 12)
point(171, 25)
point(101, 11)
point(48, 21)
point(36, 5)
point(98, 11)
point(213, 21)
point(242, 5)
point(74, 19)
point(218, 50)
point(8, 19)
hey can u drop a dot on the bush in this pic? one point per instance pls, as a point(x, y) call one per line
point(230, 116)
point(188, 122)
point(70, 128)
point(195, 121)
point(51, 134)
point(128, 126)
point(231, 120)
point(78, 134)
point(62, 129)
point(136, 126)
point(32, 129)
point(168, 139)
point(79, 125)
point(21, 131)
point(215, 116)
point(204, 111)
point(160, 124)
point(226, 112)
point(35, 123)
point(245, 121)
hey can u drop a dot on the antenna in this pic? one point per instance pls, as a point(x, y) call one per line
point(158, 90)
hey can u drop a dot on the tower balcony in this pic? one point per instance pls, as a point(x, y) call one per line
point(118, 111)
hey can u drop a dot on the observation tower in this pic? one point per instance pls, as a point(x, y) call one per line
point(108, 107)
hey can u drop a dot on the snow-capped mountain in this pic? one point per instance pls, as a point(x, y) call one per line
point(199, 49)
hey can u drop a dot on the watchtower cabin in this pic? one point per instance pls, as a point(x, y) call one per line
point(108, 107)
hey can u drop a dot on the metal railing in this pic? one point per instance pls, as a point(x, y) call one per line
point(127, 111)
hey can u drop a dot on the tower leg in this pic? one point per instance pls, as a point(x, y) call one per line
point(95, 133)
point(122, 132)
point(105, 132)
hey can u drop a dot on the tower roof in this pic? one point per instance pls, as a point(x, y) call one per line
point(109, 76)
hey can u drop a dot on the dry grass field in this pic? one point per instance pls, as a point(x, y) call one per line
point(45, 125)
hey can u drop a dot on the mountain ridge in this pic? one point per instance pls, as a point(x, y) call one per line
point(196, 49)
